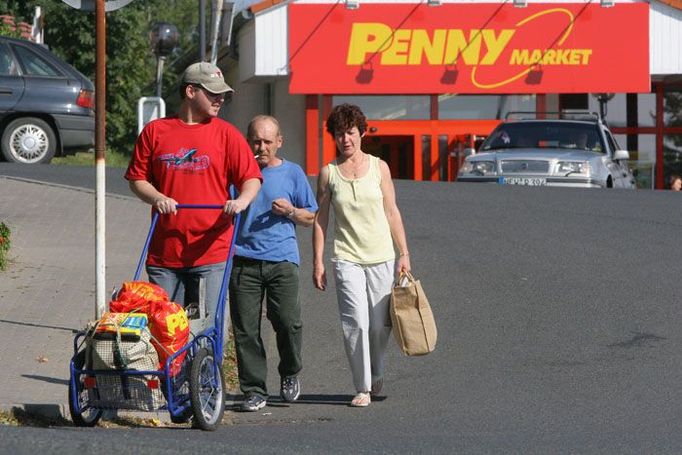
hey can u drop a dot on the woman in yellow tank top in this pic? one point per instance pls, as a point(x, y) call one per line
point(368, 229)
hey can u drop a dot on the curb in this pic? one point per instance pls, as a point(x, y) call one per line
point(71, 187)
point(60, 412)
point(42, 410)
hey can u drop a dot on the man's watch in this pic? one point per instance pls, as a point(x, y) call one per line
point(291, 214)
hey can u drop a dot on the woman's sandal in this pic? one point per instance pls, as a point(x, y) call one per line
point(361, 400)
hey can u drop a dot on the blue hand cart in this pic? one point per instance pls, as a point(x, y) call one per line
point(196, 391)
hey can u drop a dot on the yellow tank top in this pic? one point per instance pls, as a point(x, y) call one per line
point(361, 232)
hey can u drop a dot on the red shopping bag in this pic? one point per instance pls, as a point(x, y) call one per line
point(169, 326)
point(136, 296)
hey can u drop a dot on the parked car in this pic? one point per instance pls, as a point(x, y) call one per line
point(46, 105)
point(576, 152)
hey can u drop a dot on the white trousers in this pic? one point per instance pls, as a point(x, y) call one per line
point(363, 293)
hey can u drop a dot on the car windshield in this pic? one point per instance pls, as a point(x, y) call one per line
point(545, 135)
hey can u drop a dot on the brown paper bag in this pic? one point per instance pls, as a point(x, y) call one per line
point(413, 324)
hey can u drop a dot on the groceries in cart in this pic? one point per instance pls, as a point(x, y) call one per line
point(141, 312)
point(120, 341)
point(128, 325)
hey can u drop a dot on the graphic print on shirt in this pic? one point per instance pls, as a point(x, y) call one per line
point(185, 160)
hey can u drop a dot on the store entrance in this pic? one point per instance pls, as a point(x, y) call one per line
point(397, 151)
point(419, 149)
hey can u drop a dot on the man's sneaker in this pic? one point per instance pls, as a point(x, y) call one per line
point(290, 388)
point(253, 403)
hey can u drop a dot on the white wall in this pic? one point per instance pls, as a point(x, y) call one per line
point(665, 39)
point(272, 34)
point(263, 45)
point(290, 112)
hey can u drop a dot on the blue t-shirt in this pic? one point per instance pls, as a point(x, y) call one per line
point(269, 237)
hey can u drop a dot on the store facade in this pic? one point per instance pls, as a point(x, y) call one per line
point(435, 77)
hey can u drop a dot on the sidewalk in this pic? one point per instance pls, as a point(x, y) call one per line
point(48, 294)
point(48, 291)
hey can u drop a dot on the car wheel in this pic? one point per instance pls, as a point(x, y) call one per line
point(28, 140)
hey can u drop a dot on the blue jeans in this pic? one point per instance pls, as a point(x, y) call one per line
point(182, 285)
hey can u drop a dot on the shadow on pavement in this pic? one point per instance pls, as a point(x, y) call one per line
point(276, 402)
point(30, 324)
point(64, 382)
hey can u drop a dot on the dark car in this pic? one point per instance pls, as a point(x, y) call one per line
point(46, 105)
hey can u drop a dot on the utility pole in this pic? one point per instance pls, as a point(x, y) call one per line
point(202, 30)
point(100, 8)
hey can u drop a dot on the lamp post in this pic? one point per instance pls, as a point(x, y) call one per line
point(164, 38)
point(603, 98)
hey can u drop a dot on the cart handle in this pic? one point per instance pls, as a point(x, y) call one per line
point(155, 218)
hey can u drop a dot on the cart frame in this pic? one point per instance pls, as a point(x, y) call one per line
point(197, 390)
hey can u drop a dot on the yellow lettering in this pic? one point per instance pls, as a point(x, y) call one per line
point(527, 57)
point(520, 57)
point(457, 44)
point(446, 46)
point(367, 38)
point(549, 57)
point(423, 46)
point(396, 54)
point(562, 56)
point(587, 53)
point(574, 59)
point(536, 56)
point(176, 321)
point(495, 44)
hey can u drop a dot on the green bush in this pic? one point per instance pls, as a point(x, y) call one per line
point(7, 30)
point(4, 245)
point(112, 159)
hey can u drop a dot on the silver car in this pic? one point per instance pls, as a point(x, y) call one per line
point(558, 152)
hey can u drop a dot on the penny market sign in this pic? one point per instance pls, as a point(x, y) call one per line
point(469, 48)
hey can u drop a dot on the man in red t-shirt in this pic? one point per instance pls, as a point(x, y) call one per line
point(193, 158)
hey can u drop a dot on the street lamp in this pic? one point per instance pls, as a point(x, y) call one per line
point(603, 98)
point(164, 38)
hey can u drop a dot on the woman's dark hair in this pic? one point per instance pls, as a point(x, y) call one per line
point(344, 117)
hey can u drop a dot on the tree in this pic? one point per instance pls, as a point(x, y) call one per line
point(131, 67)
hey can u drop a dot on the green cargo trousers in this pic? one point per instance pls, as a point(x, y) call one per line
point(251, 281)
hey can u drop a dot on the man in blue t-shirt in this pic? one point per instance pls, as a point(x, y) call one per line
point(266, 265)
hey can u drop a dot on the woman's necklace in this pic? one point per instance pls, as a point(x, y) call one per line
point(356, 168)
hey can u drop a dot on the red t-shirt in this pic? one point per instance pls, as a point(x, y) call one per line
point(193, 164)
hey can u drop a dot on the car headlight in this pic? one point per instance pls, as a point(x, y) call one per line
point(478, 167)
point(573, 167)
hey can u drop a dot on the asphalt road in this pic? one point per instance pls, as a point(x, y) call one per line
point(558, 320)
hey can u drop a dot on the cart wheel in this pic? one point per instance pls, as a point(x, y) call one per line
point(207, 391)
point(87, 417)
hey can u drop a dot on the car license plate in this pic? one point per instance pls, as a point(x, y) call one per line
point(527, 181)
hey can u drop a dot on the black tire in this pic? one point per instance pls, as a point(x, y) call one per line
point(184, 416)
point(28, 140)
point(207, 392)
point(82, 418)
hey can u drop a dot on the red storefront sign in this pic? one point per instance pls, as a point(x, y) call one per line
point(469, 48)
